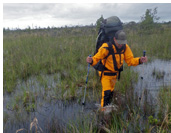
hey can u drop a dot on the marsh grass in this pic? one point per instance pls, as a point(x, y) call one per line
point(164, 114)
point(63, 51)
point(30, 54)
point(83, 126)
point(156, 43)
point(34, 127)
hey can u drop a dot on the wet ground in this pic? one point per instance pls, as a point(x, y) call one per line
point(49, 110)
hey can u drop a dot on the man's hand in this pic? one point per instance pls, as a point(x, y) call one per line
point(89, 60)
point(143, 59)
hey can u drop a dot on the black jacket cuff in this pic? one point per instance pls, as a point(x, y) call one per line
point(139, 62)
point(91, 62)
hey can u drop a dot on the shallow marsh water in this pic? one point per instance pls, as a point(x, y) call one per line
point(153, 76)
point(49, 110)
point(48, 115)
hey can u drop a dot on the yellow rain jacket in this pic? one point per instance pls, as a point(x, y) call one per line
point(109, 75)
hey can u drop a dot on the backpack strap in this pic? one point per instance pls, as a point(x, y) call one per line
point(121, 68)
point(111, 52)
point(110, 48)
point(119, 51)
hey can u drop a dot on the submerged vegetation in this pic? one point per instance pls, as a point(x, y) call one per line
point(31, 55)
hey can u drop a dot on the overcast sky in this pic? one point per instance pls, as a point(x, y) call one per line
point(44, 15)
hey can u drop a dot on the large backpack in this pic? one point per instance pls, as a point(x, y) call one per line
point(107, 31)
point(108, 28)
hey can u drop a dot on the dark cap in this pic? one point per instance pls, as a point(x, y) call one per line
point(121, 37)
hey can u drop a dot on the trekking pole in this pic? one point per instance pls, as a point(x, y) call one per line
point(144, 52)
point(83, 103)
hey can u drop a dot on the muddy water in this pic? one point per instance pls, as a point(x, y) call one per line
point(153, 76)
point(52, 113)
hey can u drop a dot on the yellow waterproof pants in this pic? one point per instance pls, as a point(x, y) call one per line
point(108, 81)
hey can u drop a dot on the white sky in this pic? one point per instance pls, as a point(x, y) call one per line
point(61, 14)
